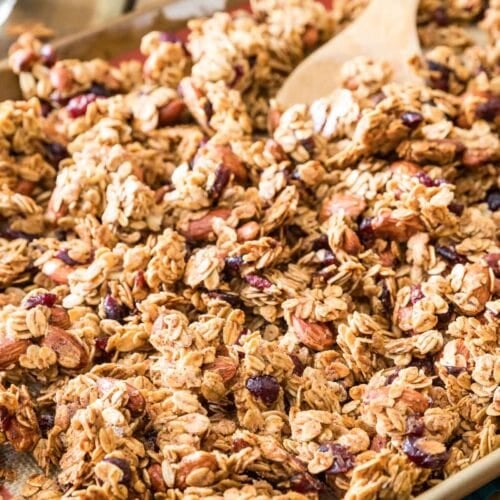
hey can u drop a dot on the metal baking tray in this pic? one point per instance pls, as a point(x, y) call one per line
point(122, 36)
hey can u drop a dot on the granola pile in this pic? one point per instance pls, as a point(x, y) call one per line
point(206, 296)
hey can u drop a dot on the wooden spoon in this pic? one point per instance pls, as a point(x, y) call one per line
point(386, 29)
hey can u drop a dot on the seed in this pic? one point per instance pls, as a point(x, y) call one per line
point(264, 387)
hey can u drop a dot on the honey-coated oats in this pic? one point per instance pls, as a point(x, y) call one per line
point(204, 295)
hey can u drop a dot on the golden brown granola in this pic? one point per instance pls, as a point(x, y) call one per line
point(207, 296)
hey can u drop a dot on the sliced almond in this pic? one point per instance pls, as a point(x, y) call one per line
point(316, 336)
point(11, 351)
point(70, 351)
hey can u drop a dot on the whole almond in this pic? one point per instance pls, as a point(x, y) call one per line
point(59, 317)
point(225, 367)
point(170, 113)
point(57, 271)
point(316, 336)
point(232, 162)
point(351, 204)
point(200, 229)
point(351, 243)
point(414, 400)
point(248, 231)
point(387, 226)
point(156, 478)
point(11, 351)
point(70, 352)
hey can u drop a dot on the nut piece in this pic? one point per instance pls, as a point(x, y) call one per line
point(200, 229)
point(57, 271)
point(386, 225)
point(136, 402)
point(248, 231)
point(352, 205)
point(224, 366)
point(11, 351)
point(171, 113)
point(196, 469)
point(232, 162)
point(350, 242)
point(156, 478)
point(403, 167)
point(70, 351)
point(316, 336)
point(59, 317)
point(475, 290)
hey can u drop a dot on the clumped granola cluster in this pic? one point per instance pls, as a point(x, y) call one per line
point(206, 296)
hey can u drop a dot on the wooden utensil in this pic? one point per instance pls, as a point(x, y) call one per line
point(386, 29)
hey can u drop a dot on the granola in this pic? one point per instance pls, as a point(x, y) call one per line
point(207, 296)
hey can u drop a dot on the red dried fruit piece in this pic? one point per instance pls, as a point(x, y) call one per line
point(425, 453)
point(343, 459)
point(257, 281)
point(305, 483)
point(42, 299)
point(124, 466)
point(264, 387)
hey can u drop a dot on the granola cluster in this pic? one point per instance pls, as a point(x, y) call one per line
point(204, 295)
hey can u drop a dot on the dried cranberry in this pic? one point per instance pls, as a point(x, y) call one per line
point(493, 199)
point(305, 483)
point(309, 145)
point(392, 377)
point(77, 106)
point(11, 234)
point(101, 343)
point(114, 310)
point(412, 119)
point(321, 243)
point(257, 281)
point(441, 80)
point(232, 264)
point(230, 298)
point(298, 367)
point(385, 297)
point(414, 426)
point(124, 466)
point(424, 364)
point(445, 318)
point(365, 231)
point(456, 208)
point(169, 37)
point(252, 60)
point(46, 108)
point(440, 16)
point(42, 299)
point(489, 110)
point(420, 457)
point(264, 387)
point(454, 370)
point(63, 255)
point(427, 181)
point(343, 459)
point(55, 153)
point(450, 254)
point(416, 294)
point(222, 176)
point(240, 444)
point(45, 422)
point(48, 55)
